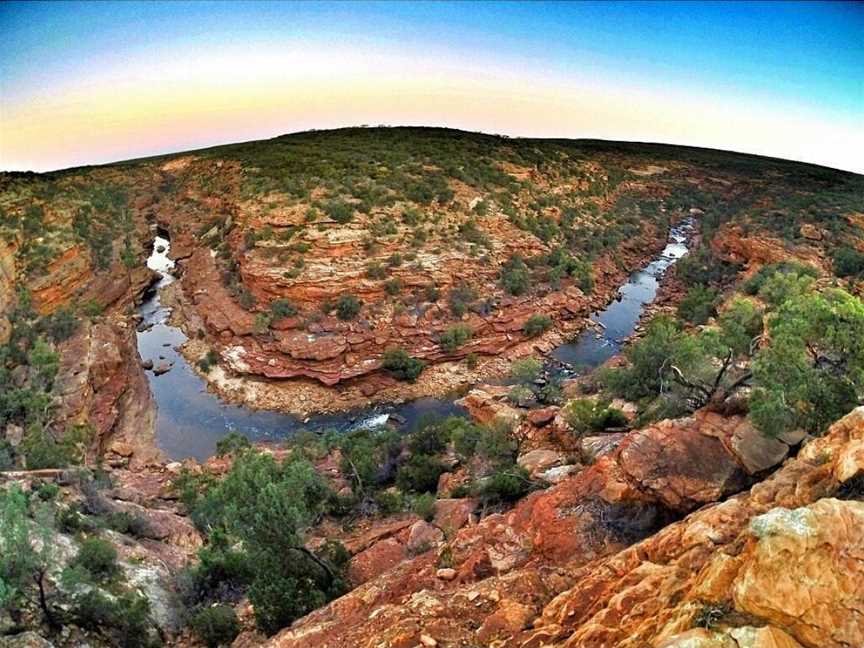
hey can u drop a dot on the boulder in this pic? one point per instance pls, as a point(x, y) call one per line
point(539, 460)
point(452, 514)
point(422, 537)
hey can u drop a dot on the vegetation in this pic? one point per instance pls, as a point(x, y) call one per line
point(537, 325)
point(401, 365)
point(348, 307)
point(454, 337)
point(586, 415)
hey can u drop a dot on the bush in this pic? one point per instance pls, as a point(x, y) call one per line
point(126, 619)
point(390, 502)
point(536, 325)
point(419, 474)
point(740, 323)
point(754, 284)
point(393, 286)
point(99, 558)
point(515, 276)
point(282, 308)
point(215, 626)
point(128, 524)
point(590, 415)
point(526, 370)
point(401, 365)
point(454, 337)
point(42, 450)
point(460, 297)
point(210, 359)
point(61, 325)
point(521, 395)
point(699, 305)
point(848, 262)
point(423, 506)
point(232, 443)
point(348, 307)
point(339, 210)
point(507, 485)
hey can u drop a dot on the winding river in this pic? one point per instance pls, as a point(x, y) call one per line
point(190, 419)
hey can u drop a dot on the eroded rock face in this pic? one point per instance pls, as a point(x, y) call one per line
point(101, 382)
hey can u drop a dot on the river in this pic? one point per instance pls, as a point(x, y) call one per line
point(190, 419)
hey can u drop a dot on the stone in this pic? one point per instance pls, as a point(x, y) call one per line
point(540, 459)
point(453, 514)
point(446, 573)
point(27, 639)
point(594, 447)
point(428, 641)
point(375, 560)
point(162, 367)
point(755, 450)
point(422, 537)
point(543, 416)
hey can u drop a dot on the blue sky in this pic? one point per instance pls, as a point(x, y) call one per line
point(801, 59)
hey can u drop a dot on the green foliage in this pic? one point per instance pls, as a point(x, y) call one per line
point(232, 443)
point(584, 415)
point(401, 365)
point(505, 485)
point(339, 210)
point(423, 506)
point(848, 262)
point(740, 323)
point(702, 267)
point(42, 450)
point(393, 286)
point(281, 308)
point(536, 325)
point(754, 284)
point(215, 626)
point(460, 298)
point(699, 305)
point(812, 373)
point(267, 506)
point(521, 395)
point(454, 337)
point(515, 276)
point(99, 558)
point(365, 456)
point(348, 307)
point(419, 474)
point(61, 325)
point(124, 619)
point(526, 370)
point(210, 360)
point(783, 286)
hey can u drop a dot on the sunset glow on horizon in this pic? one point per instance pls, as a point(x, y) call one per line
point(94, 83)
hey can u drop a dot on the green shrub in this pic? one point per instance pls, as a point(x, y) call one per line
point(848, 261)
point(99, 558)
point(401, 365)
point(339, 210)
point(210, 359)
point(586, 415)
point(699, 305)
point(61, 325)
point(215, 626)
point(521, 395)
point(419, 474)
point(460, 297)
point(42, 450)
point(376, 270)
point(390, 502)
point(536, 325)
point(740, 323)
point(526, 370)
point(126, 619)
point(515, 276)
point(348, 307)
point(281, 308)
point(393, 286)
point(454, 337)
point(423, 506)
point(232, 444)
point(505, 485)
point(754, 284)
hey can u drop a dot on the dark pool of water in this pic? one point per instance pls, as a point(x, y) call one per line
point(190, 420)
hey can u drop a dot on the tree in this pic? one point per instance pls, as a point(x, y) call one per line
point(401, 365)
point(267, 506)
point(348, 307)
point(26, 553)
point(515, 276)
point(812, 373)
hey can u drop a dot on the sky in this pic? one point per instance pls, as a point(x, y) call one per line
point(88, 83)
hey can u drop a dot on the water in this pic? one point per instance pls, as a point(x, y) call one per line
point(618, 320)
point(190, 420)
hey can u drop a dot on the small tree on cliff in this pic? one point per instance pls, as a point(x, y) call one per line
point(813, 371)
point(26, 554)
point(267, 506)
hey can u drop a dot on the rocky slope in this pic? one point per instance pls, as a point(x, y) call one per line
point(777, 565)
